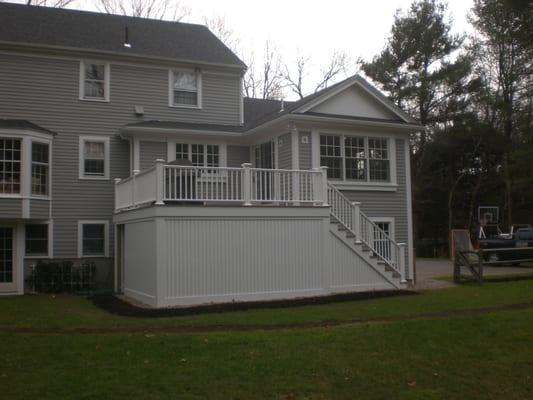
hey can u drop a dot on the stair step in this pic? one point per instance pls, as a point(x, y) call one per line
point(350, 235)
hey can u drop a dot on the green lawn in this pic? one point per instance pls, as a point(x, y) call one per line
point(488, 356)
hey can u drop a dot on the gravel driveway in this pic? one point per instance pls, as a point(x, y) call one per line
point(427, 269)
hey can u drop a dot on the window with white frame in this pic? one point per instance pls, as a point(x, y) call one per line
point(93, 238)
point(36, 239)
point(201, 155)
point(94, 158)
point(94, 81)
point(185, 87)
point(10, 163)
point(355, 158)
point(40, 155)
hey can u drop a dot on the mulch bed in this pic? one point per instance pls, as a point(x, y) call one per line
point(115, 305)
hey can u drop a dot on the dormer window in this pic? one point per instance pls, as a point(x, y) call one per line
point(94, 81)
point(185, 88)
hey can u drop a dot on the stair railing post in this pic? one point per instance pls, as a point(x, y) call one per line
point(356, 220)
point(324, 185)
point(160, 184)
point(247, 184)
point(401, 261)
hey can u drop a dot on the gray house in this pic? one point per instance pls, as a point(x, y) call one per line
point(128, 142)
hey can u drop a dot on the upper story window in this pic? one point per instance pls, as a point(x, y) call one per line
point(201, 155)
point(39, 168)
point(94, 81)
point(356, 158)
point(185, 88)
point(94, 157)
point(10, 162)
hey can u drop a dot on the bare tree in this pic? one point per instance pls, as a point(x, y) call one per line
point(156, 9)
point(50, 3)
point(218, 26)
point(295, 78)
point(264, 80)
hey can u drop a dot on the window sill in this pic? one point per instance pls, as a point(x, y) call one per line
point(19, 196)
point(365, 186)
point(93, 178)
point(197, 107)
point(94, 100)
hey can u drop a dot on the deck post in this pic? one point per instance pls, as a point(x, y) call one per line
point(324, 185)
point(356, 220)
point(117, 181)
point(401, 256)
point(133, 186)
point(247, 184)
point(159, 183)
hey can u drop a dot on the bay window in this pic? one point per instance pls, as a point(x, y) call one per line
point(10, 163)
point(39, 168)
point(356, 158)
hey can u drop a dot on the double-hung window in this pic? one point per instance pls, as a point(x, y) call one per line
point(94, 81)
point(94, 157)
point(92, 238)
point(185, 88)
point(39, 168)
point(356, 158)
point(10, 163)
point(36, 240)
point(201, 155)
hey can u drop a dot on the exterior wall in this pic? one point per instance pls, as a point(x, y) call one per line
point(46, 90)
point(151, 151)
point(237, 155)
point(39, 209)
point(305, 154)
point(272, 253)
point(284, 151)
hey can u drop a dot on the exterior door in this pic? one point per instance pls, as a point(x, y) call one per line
point(264, 158)
point(7, 259)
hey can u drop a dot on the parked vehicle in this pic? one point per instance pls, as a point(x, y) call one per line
point(514, 229)
point(516, 249)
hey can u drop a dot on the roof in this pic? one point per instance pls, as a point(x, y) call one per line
point(73, 29)
point(155, 124)
point(23, 124)
point(259, 111)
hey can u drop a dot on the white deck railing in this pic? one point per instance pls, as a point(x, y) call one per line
point(164, 184)
point(349, 214)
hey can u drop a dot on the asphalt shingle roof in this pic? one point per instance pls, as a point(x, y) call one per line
point(22, 124)
point(64, 28)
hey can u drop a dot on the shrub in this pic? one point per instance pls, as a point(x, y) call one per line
point(62, 277)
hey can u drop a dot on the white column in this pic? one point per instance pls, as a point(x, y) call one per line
point(401, 260)
point(25, 182)
point(136, 155)
point(324, 185)
point(356, 221)
point(247, 184)
point(160, 181)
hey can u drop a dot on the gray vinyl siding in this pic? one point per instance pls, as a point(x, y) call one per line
point(237, 155)
point(388, 204)
point(151, 151)
point(39, 209)
point(46, 90)
point(305, 153)
point(284, 151)
point(10, 208)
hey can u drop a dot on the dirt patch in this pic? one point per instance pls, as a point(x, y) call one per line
point(117, 306)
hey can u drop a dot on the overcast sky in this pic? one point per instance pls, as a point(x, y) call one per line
point(314, 28)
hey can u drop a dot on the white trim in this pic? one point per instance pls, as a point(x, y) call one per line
point(241, 98)
point(408, 194)
point(198, 73)
point(80, 237)
point(107, 79)
point(81, 156)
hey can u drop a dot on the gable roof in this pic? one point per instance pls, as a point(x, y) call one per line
point(258, 111)
point(82, 30)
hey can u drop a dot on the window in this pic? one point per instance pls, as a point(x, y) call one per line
point(185, 88)
point(10, 165)
point(93, 238)
point(355, 158)
point(37, 239)
point(94, 81)
point(94, 158)
point(201, 155)
point(39, 168)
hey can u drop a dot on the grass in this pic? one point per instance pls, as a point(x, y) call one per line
point(487, 356)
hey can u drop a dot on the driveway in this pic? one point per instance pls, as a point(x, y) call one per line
point(427, 269)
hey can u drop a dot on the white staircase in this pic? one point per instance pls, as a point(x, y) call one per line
point(351, 226)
